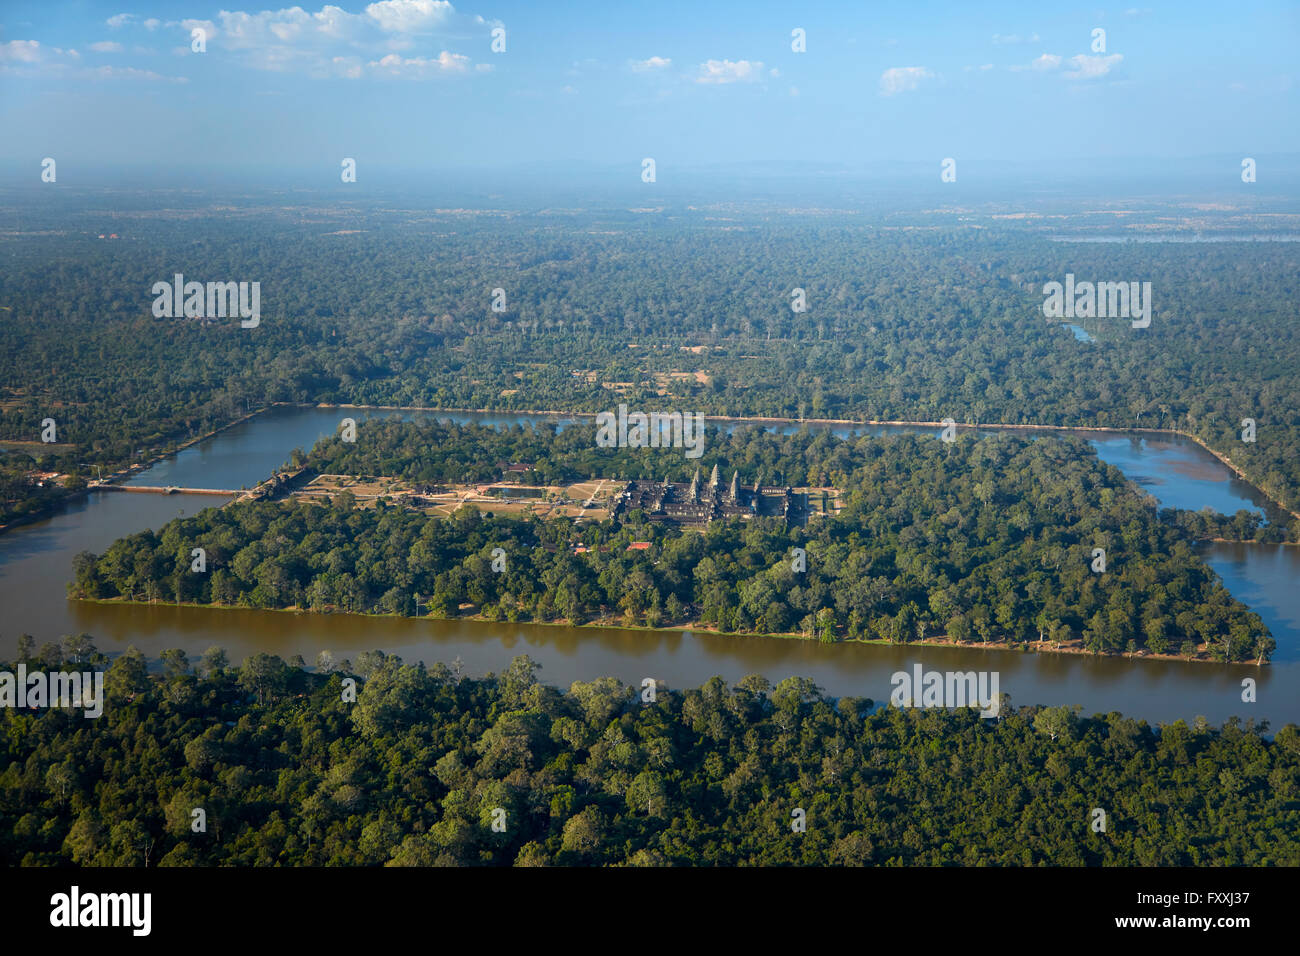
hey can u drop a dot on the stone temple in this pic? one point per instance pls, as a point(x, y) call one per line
point(699, 503)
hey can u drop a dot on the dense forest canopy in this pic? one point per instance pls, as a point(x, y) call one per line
point(983, 539)
point(386, 306)
point(417, 769)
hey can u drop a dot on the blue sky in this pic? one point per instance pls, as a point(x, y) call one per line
point(415, 83)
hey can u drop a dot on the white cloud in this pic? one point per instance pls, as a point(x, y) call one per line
point(901, 79)
point(581, 66)
point(153, 23)
point(417, 66)
point(1086, 67)
point(20, 51)
point(331, 42)
point(408, 16)
point(388, 20)
point(653, 63)
point(726, 71)
point(131, 73)
point(1081, 66)
point(774, 72)
point(348, 67)
point(1278, 84)
point(249, 31)
point(1006, 40)
point(29, 58)
point(106, 46)
point(120, 20)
